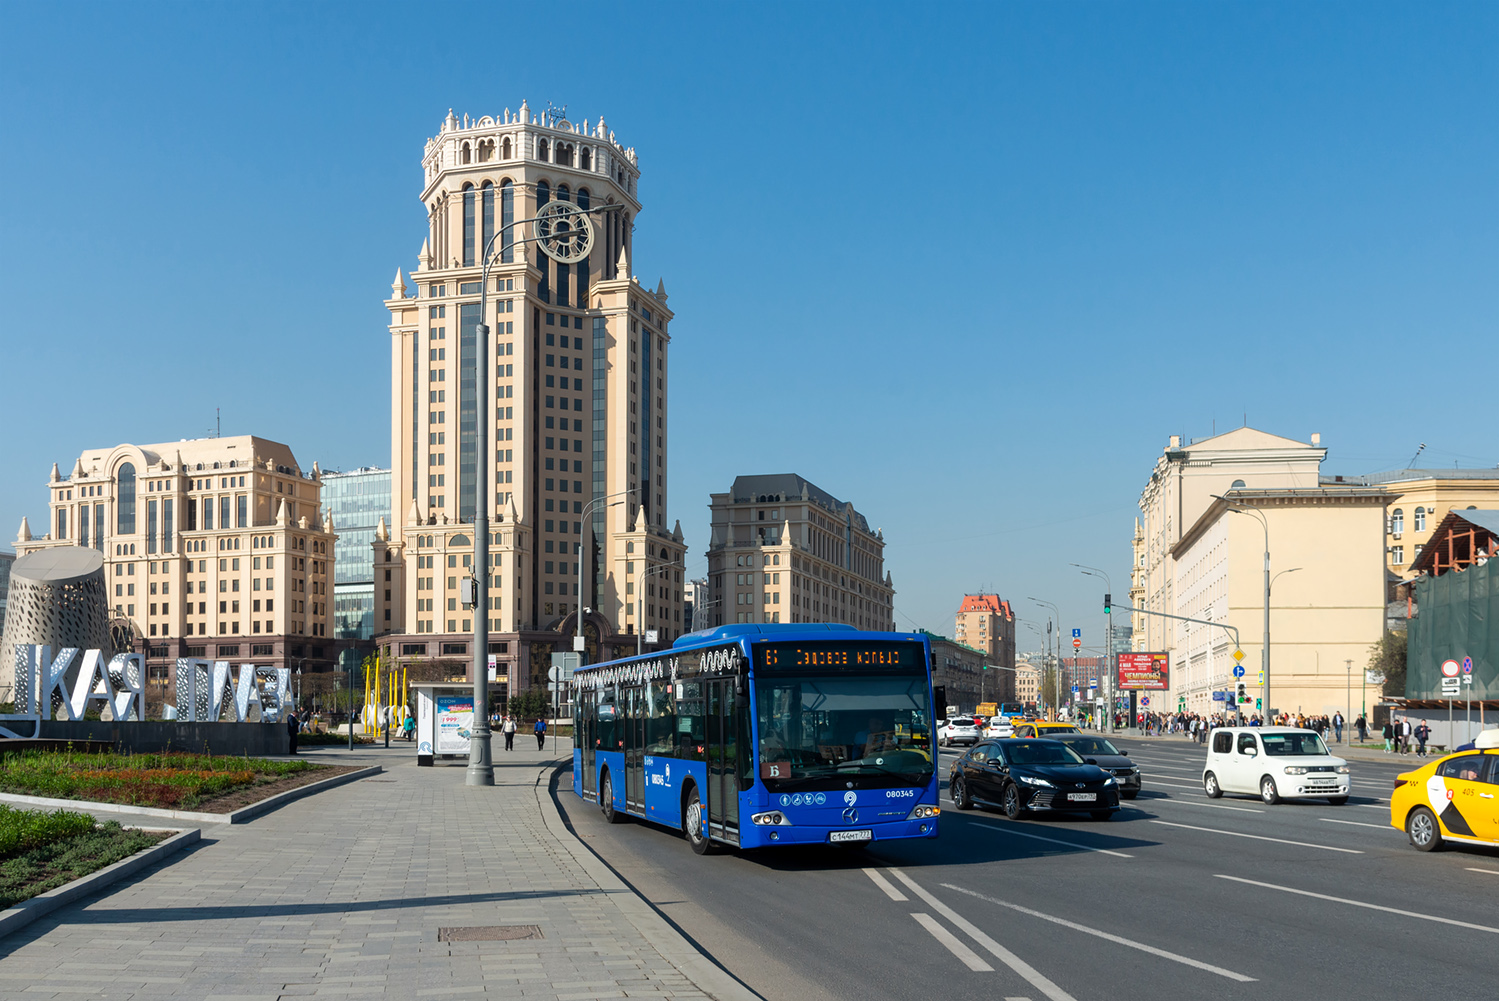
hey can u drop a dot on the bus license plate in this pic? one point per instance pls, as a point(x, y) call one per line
point(1082, 797)
point(851, 836)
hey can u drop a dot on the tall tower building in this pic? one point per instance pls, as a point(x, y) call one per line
point(578, 393)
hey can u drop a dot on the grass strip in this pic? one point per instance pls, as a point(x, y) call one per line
point(46, 867)
point(167, 781)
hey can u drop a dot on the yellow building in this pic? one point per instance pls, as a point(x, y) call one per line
point(580, 372)
point(1199, 549)
point(785, 550)
point(213, 548)
point(1419, 500)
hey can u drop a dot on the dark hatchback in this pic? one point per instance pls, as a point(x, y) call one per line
point(1103, 753)
point(1031, 776)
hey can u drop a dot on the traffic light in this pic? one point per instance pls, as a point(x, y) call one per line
point(1257, 703)
point(1240, 694)
point(1108, 601)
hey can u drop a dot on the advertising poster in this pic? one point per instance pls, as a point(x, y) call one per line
point(455, 722)
point(1144, 672)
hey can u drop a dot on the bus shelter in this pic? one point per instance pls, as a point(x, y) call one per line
point(444, 721)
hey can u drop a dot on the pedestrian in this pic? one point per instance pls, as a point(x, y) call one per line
point(293, 726)
point(541, 734)
point(1362, 725)
point(1388, 733)
point(1406, 731)
point(408, 726)
point(1423, 732)
point(1337, 725)
point(508, 729)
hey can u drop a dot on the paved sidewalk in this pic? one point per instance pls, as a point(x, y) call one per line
point(342, 894)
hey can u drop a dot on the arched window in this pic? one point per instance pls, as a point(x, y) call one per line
point(1237, 485)
point(505, 148)
point(486, 151)
point(563, 194)
point(125, 500)
point(543, 150)
point(1420, 519)
point(585, 158)
point(464, 153)
point(543, 287)
point(468, 225)
point(584, 201)
point(507, 216)
point(1397, 520)
point(565, 154)
point(486, 220)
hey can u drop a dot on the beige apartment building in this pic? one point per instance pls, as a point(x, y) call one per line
point(1418, 500)
point(578, 390)
point(1027, 679)
point(785, 550)
point(986, 622)
point(1196, 556)
point(213, 548)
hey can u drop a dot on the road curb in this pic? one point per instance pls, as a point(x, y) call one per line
point(43, 904)
point(655, 929)
point(239, 816)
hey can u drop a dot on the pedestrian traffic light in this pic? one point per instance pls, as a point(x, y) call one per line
point(1108, 601)
point(1257, 703)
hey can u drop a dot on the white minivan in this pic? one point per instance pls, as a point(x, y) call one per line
point(1277, 762)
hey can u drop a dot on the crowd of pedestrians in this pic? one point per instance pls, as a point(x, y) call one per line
point(1195, 726)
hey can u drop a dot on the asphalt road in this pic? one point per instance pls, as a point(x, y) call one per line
point(1177, 893)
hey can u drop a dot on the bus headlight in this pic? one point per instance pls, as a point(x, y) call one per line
point(771, 818)
point(924, 812)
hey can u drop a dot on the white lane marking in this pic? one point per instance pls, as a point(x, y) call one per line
point(1056, 841)
point(1360, 903)
point(1260, 837)
point(1383, 804)
point(884, 884)
point(967, 956)
point(1005, 956)
point(1170, 782)
point(1215, 806)
point(1117, 939)
point(1354, 823)
point(1492, 872)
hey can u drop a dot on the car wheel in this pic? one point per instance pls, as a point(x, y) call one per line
point(1211, 787)
point(694, 824)
point(1269, 795)
point(1102, 814)
point(1131, 794)
point(606, 801)
point(1012, 801)
point(960, 797)
point(1337, 800)
point(941, 741)
point(1421, 827)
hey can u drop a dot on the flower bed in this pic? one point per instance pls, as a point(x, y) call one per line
point(41, 851)
point(166, 781)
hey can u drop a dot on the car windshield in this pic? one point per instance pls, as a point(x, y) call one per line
point(1300, 742)
point(1041, 752)
point(960, 722)
point(1092, 745)
point(819, 732)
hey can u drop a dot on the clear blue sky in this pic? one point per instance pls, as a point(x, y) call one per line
point(967, 266)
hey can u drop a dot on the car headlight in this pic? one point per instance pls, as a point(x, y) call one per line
point(1295, 770)
point(1109, 781)
point(1344, 769)
point(1033, 781)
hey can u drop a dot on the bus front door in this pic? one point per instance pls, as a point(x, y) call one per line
point(586, 739)
point(723, 752)
point(634, 750)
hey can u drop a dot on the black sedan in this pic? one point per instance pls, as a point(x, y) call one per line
point(1103, 753)
point(1032, 775)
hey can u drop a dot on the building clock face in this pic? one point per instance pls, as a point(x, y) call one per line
point(564, 232)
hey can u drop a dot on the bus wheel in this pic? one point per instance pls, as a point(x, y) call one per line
point(695, 824)
point(606, 800)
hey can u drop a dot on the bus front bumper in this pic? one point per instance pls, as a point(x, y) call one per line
point(758, 836)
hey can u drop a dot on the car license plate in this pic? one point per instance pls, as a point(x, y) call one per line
point(1082, 797)
point(851, 836)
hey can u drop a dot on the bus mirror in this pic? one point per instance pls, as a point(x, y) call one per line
point(741, 701)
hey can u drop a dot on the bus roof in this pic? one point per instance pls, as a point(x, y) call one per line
point(748, 632)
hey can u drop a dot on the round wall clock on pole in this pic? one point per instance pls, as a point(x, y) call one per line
point(564, 232)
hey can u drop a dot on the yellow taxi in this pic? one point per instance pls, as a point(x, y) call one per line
point(1042, 728)
point(1455, 798)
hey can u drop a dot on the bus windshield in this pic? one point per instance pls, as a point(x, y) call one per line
point(1010, 710)
point(822, 732)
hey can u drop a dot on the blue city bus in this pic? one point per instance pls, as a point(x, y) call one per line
point(758, 735)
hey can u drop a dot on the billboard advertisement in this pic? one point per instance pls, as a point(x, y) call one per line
point(455, 720)
point(1144, 672)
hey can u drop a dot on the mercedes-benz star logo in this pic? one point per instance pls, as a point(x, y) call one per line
point(850, 816)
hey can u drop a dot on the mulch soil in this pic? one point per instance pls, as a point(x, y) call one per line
point(249, 795)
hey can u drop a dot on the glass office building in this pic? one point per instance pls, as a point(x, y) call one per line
point(357, 500)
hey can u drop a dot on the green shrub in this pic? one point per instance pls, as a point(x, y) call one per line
point(22, 830)
point(50, 865)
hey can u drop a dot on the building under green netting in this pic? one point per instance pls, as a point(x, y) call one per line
point(1457, 618)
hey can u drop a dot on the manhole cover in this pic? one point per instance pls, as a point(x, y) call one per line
point(488, 933)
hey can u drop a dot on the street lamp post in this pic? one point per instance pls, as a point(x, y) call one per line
point(1265, 648)
point(578, 645)
point(640, 600)
point(1108, 644)
point(1056, 683)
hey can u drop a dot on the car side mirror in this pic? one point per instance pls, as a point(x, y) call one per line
point(1253, 752)
point(1091, 761)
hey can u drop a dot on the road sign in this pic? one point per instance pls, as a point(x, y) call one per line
point(1220, 696)
point(1238, 670)
point(1092, 682)
point(1074, 689)
point(1238, 655)
point(1450, 668)
point(1261, 680)
point(1076, 633)
point(1076, 643)
point(1467, 665)
point(1145, 700)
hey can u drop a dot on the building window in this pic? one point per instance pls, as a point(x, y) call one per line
point(125, 503)
point(1397, 555)
point(1397, 521)
point(468, 224)
point(1420, 519)
point(486, 228)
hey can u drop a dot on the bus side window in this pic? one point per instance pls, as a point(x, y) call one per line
point(660, 734)
point(690, 734)
point(604, 739)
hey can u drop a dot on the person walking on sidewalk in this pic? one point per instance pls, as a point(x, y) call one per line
point(1337, 726)
point(508, 729)
point(1389, 736)
point(541, 734)
point(1423, 734)
point(1362, 725)
point(293, 726)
